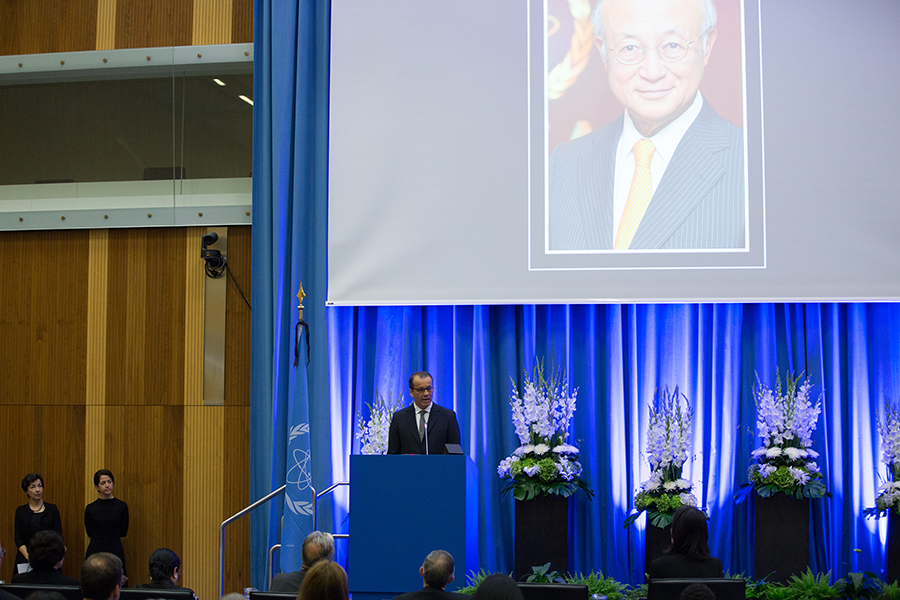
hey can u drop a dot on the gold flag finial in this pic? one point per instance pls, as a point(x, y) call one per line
point(300, 296)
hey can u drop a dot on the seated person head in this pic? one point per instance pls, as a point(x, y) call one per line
point(326, 580)
point(697, 591)
point(690, 537)
point(317, 546)
point(101, 576)
point(498, 587)
point(437, 570)
point(46, 550)
point(164, 564)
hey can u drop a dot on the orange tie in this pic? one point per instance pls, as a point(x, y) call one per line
point(639, 196)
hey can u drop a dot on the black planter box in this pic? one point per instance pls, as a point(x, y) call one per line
point(542, 534)
point(893, 548)
point(656, 542)
point(782, 538)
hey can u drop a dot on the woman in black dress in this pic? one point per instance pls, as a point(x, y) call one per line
point(35, 516)
point(688, 556)
point(106, 519)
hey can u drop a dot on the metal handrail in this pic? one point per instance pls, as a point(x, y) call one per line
point(258, 503)
point(231, 520)
point(269, 564)
point(315, 498)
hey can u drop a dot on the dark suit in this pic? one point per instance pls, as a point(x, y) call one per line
point(431, 593)
point(403, 437)
point(698, 204)
point(288, 582)
point(44, 577)
point(676, 566)
point(8, 596)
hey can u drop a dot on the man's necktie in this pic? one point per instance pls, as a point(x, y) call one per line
point(421, 425)
point(639, 196)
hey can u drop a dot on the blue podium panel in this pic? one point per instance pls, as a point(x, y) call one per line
point(401, 508)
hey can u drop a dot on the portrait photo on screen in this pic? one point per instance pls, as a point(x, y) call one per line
point(646, 146)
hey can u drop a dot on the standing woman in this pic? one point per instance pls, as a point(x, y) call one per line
point(35, 516)
point(106, 519)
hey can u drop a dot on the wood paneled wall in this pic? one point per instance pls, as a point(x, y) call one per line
point(101, 337)
point(39, 26)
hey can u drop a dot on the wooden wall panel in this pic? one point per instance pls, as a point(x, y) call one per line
point(212, 22)
point(203, 462)
point(35, 27)
point(237, 317)
point(42, 326)
point(195, 290)
point(106, 25)
point(242, 21)
point(41, 26)
point(153, 23)
point(93, 376)
point(237, 497)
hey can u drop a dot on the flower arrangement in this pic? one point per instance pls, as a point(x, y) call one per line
point(889, 428)
point(785, 422)
point(667, 450)
point(544, 463)
point(373, 433)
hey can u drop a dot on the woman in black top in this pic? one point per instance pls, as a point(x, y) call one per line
point(106, 519)
point(35, 516)
point(164, 565)
point(688, 556)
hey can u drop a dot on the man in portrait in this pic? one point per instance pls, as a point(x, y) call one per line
point(669, 172)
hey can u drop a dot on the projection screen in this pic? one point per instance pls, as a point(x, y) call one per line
point(479, 153)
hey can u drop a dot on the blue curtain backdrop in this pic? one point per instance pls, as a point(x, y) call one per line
point(289, 232)
point(617, 355)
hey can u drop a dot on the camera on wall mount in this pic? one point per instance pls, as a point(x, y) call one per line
point(215, 262)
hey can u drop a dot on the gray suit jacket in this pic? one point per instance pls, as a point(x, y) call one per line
point(699, 203)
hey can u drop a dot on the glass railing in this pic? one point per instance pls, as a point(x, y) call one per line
point(139, 137)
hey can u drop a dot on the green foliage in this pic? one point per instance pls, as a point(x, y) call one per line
point(810, 586)
point(526, 489)
point(543, 574)
point(858, 586)
point(474, 579)
point(887, 591)
point(637, 593)
point(598, 584)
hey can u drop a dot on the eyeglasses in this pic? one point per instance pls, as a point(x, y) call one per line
point(422, 390)
point(669, 50)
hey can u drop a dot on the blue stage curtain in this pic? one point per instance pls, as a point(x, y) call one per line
point(289, 232)
point(618, 355)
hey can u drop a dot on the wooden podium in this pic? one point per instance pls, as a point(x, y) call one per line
point(401, 508)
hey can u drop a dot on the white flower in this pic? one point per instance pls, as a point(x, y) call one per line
point(795, 453)
point(684, 484)
point(758, 452)
point(541, 449)
point(812, 453)
point(532, 470)
point(812, 467)
point(773, 452)
point(650, 485)
point(669, 486)
point(566, 449)
point(688, 499)
point(523, 450)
